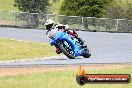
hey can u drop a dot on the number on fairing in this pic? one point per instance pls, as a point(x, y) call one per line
point(75, 41)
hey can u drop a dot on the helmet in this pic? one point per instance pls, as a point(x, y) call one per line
point(66, 26)
point(49, 23)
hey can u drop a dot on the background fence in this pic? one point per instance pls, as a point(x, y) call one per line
point(37, 20)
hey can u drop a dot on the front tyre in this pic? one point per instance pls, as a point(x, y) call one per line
point(65, 51)
point(87, 54)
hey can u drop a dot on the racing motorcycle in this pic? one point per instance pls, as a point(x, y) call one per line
point(69, 45)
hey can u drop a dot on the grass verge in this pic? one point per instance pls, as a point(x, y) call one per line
point(7, 5)
point(15, 50)
point(62, 78)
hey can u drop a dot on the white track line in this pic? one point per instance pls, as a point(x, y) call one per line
point(35, 59)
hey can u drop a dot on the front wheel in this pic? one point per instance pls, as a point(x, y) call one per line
point(66, 51)
point(87, 54)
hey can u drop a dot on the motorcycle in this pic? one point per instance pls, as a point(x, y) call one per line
point(69, 45)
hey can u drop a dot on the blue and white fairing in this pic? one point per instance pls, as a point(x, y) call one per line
point(58, 36)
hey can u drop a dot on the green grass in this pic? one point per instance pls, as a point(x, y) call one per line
point(7, 5)
point(14, 50)
point(7, 16)
point(60, 79)
point(55, 6)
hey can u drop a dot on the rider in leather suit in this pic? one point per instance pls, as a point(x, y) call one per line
point(51, 25)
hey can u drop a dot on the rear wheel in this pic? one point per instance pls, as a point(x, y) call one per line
point(67, 51)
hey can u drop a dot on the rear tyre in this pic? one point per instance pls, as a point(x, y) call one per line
point(71, 56)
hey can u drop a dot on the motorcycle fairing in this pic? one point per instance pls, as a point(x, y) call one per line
point(67, 39)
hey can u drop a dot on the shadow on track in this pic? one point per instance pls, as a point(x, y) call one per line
point(77, 58)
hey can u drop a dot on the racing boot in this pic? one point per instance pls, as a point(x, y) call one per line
point(58, 51)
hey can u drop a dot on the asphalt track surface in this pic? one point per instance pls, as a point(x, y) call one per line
point(104, 47)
